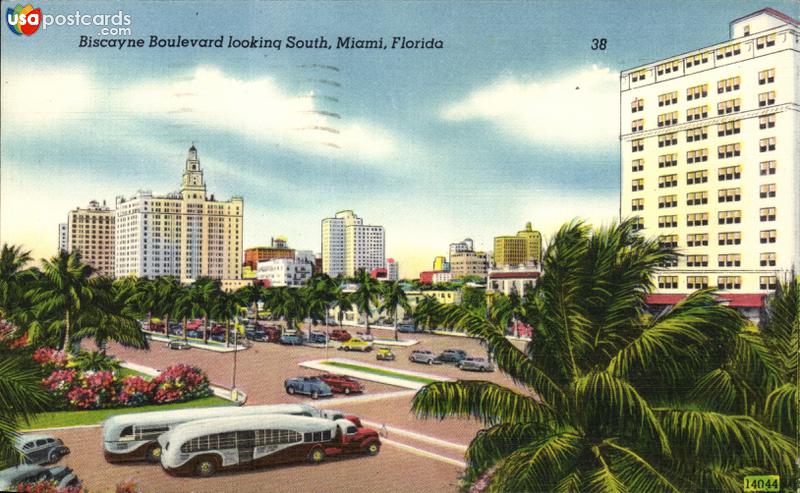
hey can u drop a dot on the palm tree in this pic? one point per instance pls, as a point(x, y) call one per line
point(602, 403)
point(426, 313)
point(66, 289)
point(107, 318)
point(195, 302)
point(393, 298)
point(507, 309)
point(366, 296)
point(23, 396)
point(226, 307)
point(287, 302)
point(251, 295)
point(343, 301)
point(14, 277)
point(167, 289)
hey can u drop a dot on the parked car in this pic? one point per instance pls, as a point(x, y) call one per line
point(452, 356)
point(475, 364)
point(317, 338)
point(41, 449)
point(365, 337)
point(194, 334)
point(423, 356)
point(341, 384)
point(12, 478)
point(340, 335)
point(291, 339)
point(356, 344)
point(408, 328)
point(178, 344)
point(312, 386)
point(272, 333)
point(385, 354)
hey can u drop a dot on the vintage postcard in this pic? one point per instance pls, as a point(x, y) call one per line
point(491, 246)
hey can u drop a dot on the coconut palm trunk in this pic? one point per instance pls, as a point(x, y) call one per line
point(65, 334)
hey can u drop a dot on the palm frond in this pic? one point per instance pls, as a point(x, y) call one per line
point(638, 473)
point(781, 409)
point(493, 444)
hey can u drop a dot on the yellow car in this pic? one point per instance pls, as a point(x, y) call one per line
point(355, 344)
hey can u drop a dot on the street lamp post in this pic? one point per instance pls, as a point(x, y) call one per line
point(234, 394)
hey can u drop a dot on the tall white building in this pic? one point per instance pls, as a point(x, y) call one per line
point(184, 234)
point(348, 245)
point(710, 157)
point(90, 231)
point(63, 238)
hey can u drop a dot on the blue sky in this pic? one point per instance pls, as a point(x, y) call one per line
point(514, 120)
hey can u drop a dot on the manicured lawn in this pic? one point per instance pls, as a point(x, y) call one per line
point(59, 419)
point(377, 371)
point(127, 372)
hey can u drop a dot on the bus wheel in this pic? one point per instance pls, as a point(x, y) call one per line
point(373, 449)
point(315, 395)
point(153, 454)
point(205, 468)
point(316, 456)
point(347, 391)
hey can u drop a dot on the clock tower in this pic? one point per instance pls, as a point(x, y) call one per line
point(193, 184)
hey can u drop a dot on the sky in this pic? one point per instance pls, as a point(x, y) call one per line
point(514, 119)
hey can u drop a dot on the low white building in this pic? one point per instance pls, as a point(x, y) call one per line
point(392, 270)
point(442, 276)
point(287, 272)
point(512, 279)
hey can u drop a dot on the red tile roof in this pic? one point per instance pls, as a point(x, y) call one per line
point(748, 300)
point(774, 13)
point(515, 275)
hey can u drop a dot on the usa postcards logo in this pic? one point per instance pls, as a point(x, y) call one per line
point(24, 20)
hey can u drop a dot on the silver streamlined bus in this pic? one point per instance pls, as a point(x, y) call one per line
point(132, 437)
point(218, 444)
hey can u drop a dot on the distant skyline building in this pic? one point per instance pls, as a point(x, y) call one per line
point(90, 231)
point(710, 159)
point(293, 272)
point(466, 245)
point(63, 238)
point(186, 234)
point(392, 269)
point(469, 263)
point(279, 248)
point(522, 249)
point(348, 245)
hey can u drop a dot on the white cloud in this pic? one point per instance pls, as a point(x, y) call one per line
point(258, 108)
point(45, 97)
point(578, 109)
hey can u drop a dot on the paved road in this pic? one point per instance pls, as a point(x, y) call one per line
point(419, 454)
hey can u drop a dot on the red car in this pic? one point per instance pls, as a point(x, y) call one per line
point(273, 333)
point(341, 384)
point(340, 335)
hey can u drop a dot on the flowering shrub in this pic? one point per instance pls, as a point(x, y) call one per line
point(46, 487)
point(59, 383)
point(135, 391)
point(50, 358)
point(83, 398)
point(128, 486)
point(180, 383)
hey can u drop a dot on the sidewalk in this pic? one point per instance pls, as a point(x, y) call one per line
point(215, 346)
point(372, 377)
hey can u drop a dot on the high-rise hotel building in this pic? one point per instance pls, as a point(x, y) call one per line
point(710, 156)
point(90, 231)
point(348, 245)
point(185, 234)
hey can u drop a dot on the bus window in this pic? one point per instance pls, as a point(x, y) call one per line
point(126, 433)
point(352, 430)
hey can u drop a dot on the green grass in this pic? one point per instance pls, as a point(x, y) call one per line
point(376, 371)
point(59, 419)
point(127, 372)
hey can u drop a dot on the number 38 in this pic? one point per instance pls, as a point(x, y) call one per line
point(599, 44)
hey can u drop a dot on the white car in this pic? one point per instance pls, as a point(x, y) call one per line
point(365, 337)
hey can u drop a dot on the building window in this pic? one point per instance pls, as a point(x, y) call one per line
point(697, 92)
point(669, 67)
point(766, 99)
point(729, 238)
point(696, 198)
point(637, 165)
point(639, 75)
point(666, 201)
point(637, 145)
point(729, 128)
point(767, 121)
point(764, 41)
point(767, 168)
point(768, 236)
point(768, 282)
point(697, 261)
point(697, 156)
point(767, 191)
point(697, 59)
point(729, 260)
point(765, 145)
point(667, 119)
point(667, 221)
point(767, 259)
point(730, 173)
point(697, 134)
point(637, 125)
point(729, 282)
point(700, 239)
point(728, 85)
point(667, 160)
point(729, 217)
point(637, 185)
point(697, 219)
point(668, 98)
point(766, 76)
point(729, 106)
point(668, 241)
point(697, 113)
point(767, 214)
point(729, 195)
point(637, 204)
point(668, 282)
point(637, 105)
point(696, 282)
point(667, 139)
point(729, 51)
point(694, 177)
point(729, 150)
point(638, 223)
point(667, 181)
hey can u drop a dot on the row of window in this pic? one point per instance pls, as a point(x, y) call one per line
point(723, 151)
point(765, 168)
point(723, 282)
point(766, 214)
